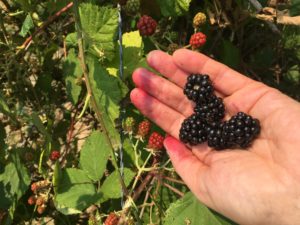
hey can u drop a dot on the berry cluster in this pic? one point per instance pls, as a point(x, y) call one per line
point(40, 196)
point(206, 124)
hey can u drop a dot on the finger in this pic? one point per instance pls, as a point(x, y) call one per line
point(164, 64)
point(188, 166)
point(165, 117)
point(226, 80)
point(163, 90)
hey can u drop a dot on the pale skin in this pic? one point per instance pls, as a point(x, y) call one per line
point(257, 186)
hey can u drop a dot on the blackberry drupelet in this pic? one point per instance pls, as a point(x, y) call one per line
point(215, 137)
point(241, 130)
point(212, 111)
point(193, 130)
point(198, 88)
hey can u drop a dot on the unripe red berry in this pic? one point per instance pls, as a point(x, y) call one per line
point(197, 40)
point(41, 209)
point(144, 128)
point(146, 25)
point(40, 200)
point(34, 186)
point(31, 200)
point(112, 219)
point(156, 141)
point(55, 155)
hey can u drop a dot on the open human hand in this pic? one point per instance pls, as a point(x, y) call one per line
point(258, 186)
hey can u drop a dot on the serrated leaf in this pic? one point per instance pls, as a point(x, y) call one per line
point(14, 182)
point(27, 25)
point(99, 26)
point(75, 191)
point(189, 210)
point(132, 55)
point(108, 92)
point(174, 7)
point(71, 40)
point(94, 155)
point(111, 188)
point(72, 73)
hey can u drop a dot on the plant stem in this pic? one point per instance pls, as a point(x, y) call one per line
point(90, 92)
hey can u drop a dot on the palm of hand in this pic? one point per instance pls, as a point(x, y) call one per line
point(250, 187)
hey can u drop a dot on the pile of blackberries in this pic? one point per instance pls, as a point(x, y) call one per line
point(206, 124)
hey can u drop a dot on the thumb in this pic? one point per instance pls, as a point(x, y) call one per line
point(187, 165)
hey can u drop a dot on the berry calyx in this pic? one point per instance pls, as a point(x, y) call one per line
point(132, 7)
point(146, 25)
point(144, 128)
point(156, 141)
point(199, 19)
point(54, 155)
point(31, 200)
point(197, 40)
point(112, 219)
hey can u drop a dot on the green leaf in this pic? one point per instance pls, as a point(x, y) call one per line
point(75, 192)
point(27, 25)
point(132, 55)
point(72, 73)
point(99, 26)
point(14, 182)
point(295, 8)
point(111, 187)
point(38, 123)
point(3, 106)
point(174, 7)
point(108, 92)
point(189, 210)
point(94, 155)
point(71, 40)
point(230, 54)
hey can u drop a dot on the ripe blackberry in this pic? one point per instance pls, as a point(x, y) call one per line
point(215, 137)
point(146, 25)
point(212, 111)
point(198, 88)
point(241, 130)
point(193, 130)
